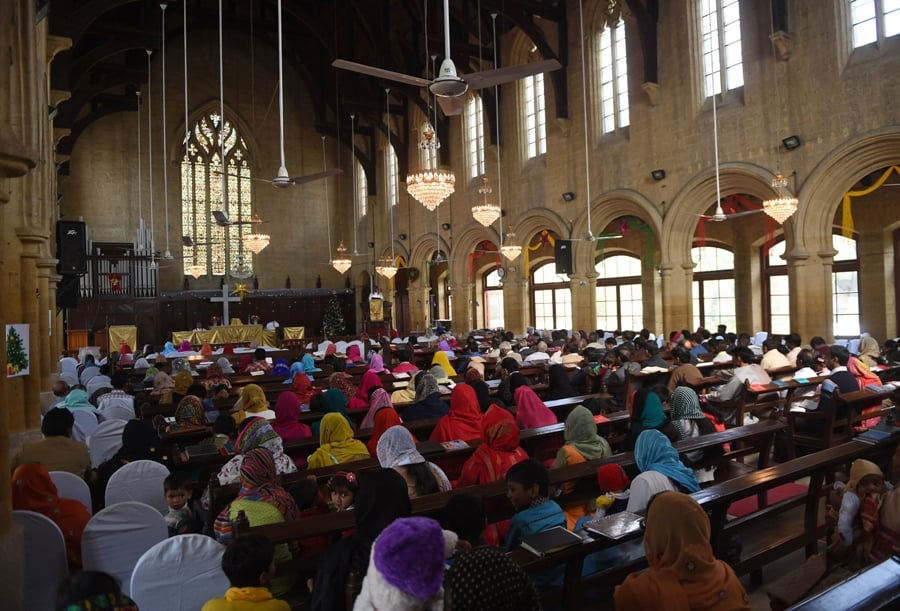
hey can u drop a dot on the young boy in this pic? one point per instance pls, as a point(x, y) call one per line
point(527, 486)
point(179, 517)
point(249, 565)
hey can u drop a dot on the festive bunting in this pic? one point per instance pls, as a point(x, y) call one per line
point(847, 220)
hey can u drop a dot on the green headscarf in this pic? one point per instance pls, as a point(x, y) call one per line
point(653, 414)
point(581, 434)
point(333, 401)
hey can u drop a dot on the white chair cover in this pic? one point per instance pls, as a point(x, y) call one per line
point(341, 346)
point(118, 536)
point(142, 481)
point(85, 424)
point(759, 338)
point(842, 342)
point(45, 558)
point(69, 486)
point(96, 383)
point(179, 574)
point(105, 441)
point(853, 346)
point(67, 364)
point(87, 374)
point(323, 345)
point(116, 412)
point(69, 377)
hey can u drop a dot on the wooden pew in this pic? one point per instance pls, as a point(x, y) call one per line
point(872, 588)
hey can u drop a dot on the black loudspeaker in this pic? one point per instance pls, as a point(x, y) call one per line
point(71, 247)
point(563, 256)
point(67, 292)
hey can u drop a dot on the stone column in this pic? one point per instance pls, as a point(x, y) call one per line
point(51, 342)
point(418, 306)
point(747, 311)
point(516, 302)
point(677, 297)
point(584, 304)
point(463, 310)
point(32, 239)
point(809, 281)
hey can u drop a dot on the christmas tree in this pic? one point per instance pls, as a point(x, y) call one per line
point(16, 359)
point(333, 321)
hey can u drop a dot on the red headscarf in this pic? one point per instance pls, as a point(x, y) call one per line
point(385, 418)
point(246, 361)
point(464, 419)
point(228, 349)
point(33, 490)
point(499, 449)
point(287, 415)
point(530, 410)
point(353, 354)
point(360, 400)
point(303, 388)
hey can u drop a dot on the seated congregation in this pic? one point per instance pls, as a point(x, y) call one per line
point(407, 476)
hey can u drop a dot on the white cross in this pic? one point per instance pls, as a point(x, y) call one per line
point(224, 300)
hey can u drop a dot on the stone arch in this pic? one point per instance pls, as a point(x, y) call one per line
point(537, 220)
point(465, 243)
point(426, 245)
point(176, 135)
point(822, 193)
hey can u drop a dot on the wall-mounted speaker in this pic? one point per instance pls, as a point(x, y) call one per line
point(67, 292)
point(71, 247)
point(563, 252)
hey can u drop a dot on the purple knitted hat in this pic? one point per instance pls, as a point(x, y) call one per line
point(410, 555)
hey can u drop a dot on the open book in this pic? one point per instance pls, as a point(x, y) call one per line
point(615, 526)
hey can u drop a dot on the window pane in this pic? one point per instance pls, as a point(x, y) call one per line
point(845, 247)
point(711, 258)
point(891, 17)
point(775, 254)
point(493, 308)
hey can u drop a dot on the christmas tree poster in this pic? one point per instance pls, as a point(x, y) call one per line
point(16, 350)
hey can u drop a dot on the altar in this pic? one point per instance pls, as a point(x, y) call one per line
point(231, 334)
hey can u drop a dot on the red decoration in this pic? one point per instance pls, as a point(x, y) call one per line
point(115, 283)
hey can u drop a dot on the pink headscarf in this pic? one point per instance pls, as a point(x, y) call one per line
point(287, 415)
point(530, 410)
point(185, 346)
point(376, 364)
point(353, 355)
point(369, 381)
point(380, 399)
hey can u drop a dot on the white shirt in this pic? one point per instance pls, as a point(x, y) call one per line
point(645, 486)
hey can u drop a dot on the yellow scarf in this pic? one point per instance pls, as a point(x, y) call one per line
point(250, 594)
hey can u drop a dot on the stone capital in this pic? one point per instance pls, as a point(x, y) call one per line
point(32, 238)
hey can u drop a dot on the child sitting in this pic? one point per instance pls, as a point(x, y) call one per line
point(179, 517)
point(859, 504)
point(249, 565)
point(342, 489)
point(527, 485)
point(614, 493)
point(225, 430)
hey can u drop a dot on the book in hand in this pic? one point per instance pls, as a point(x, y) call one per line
point(616, 525)
point(550, 541)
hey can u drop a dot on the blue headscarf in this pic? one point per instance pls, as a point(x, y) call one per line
point(654, 452)
point(280, 368)
point(309, 364)
point(169, 349)
point(652, 415)
point(296, 367)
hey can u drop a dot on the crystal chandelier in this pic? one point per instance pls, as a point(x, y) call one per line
point(430, 185)
point(511, 251)
point(341, 263)
point(256, 242)
point(386, 268)
point(784, 204)
point(485, 212)
point(242, 271)
point(196, 270)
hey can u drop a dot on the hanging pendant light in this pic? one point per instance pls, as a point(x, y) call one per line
point(385, 266)
point(511, 251)
point(430, 185)
point(341, 263)
point(256, 242)
point(485, 212)
point(782, 207)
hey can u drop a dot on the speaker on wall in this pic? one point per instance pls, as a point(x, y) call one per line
point(563, 252)
point(71, 247)
point(67, 291)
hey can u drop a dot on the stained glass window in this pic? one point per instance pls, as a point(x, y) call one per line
point(201, 195)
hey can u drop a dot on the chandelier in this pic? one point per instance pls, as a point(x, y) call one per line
point(485, 212)
point(341, 263)
point(242, 271)
point(256, 242)
point(781, 207)
point(386, 268)
point(430, 185)
point(196, 270)
point(511, 251)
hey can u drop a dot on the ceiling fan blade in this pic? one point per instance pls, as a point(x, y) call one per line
point(451, 107)
point(744, 213)
point(508, 74)
point(244, 177)
point(380, 73)
point(220, 218)
point(299, 180)
point(609, 236)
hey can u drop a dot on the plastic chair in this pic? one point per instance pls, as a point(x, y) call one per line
point(96, 383)
point(115, 539)
point(70, 486)
point(142, 481)
point(85, 424)
point(116, 412)
point(105, 441)
point(88, 374)
point(179, 574)
point(45, 558)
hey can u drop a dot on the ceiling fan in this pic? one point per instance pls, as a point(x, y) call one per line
point(720, 214)
point(590, 237)
point(448, 86)
point(188, 242)
point(283, 182)
point(222, 220)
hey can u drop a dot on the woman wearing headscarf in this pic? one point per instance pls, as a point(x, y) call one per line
point(228, 348)
point(185, 346)
point(263, 501)
point(499, 450)
point(531, 412)
point(215, 377)
point(428, 401)
point(864, 377)
point(141, 365)
point(183, 381)
point(309, 364)
point(379, 502)
point(336, 443)
point(225, 365)
point(287, 418)
point(407, 394)
point(139, 442)
point(660, 469)
point(169, 349)
point(689, 420)
point(582, 443)
point(206, 349)
point(486, 578)
point(378, 401)
point(302, 388)
point(333, 402)
point(463, 421)
point(376, 364)
point(163, 384)
point(281, 368)
point(869, 351)
point(385, 418)
point(353, 354)
point(33, 490)
point(78, 399)
point(189, 413)
point(343, 382)
point(440, 358)
point(559, 386)
point(683, 570)
point(397, 450)
point(370, 381)
point(648, 413)
point(252, 403)
point(296, 367)
point(255, 433)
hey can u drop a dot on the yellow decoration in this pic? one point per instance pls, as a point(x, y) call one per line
point(545, 237)
point(241, 290)
point(847, 219)
point(231, 334)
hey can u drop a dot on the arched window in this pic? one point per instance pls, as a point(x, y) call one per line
point(201, 195)
point(612, 62)
point(493, 300)
point(873, 20)
point(720, 33)
point(552, 299)
point(362, 190)
point(713, 287)
point(534, 119)
point(619, 294)
point(776, 296)
point(845, 287)
point(474, 122)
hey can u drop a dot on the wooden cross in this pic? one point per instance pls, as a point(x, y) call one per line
point(224, 300)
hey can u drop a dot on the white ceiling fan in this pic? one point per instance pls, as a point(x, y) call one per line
point(448, 86)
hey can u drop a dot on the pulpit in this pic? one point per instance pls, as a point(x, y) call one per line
point(378, 322)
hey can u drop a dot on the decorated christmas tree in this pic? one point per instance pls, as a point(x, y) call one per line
point(333, 321)
point(16, 359)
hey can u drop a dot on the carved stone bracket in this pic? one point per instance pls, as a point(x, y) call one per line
point(652, 91)
point(782, 43)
